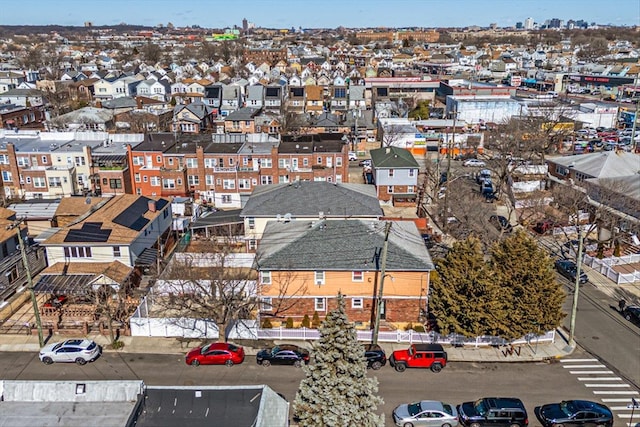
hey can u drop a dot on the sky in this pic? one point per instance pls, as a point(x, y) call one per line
point(319, 13)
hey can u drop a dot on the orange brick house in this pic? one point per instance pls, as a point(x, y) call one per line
point(302, 266)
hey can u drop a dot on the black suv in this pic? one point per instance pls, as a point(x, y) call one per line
point(632, 313)
point(376, 358)
point(493, 411)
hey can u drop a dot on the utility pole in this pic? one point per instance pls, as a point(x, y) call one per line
point(576, 289)
point(32, 292)
point(634, 143)
point(450, 143)
point(380, 302)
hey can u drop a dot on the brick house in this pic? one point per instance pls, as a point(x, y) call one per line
point(395, 175)
point(302, 266)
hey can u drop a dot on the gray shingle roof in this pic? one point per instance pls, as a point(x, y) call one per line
point(305, 199)
point(607, 164)
point(392, 157)
point(340, 245)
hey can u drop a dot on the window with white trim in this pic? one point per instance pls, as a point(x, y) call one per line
point(193, 179)
point(192, 163)
point(252, 223)
point(208, 180)
point(412, 172)
point(137, 177)
point(244, 184)
point(6, 176)
point(390, 173)
point(338, 162)
point(265, 277)
point(169, 184)
point(320, 304)
point(390, 189)
point(266, 163)
point(209, 163)
point(266, 180)
point(39, 182)
point(155, 181)
point(319, 278)
point(357, 276)
point(357, 303)
point(228, 184)
point(77, 251)
point(266, 304)
point(138, 161)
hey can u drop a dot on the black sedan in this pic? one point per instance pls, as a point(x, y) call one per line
point(376, 358)
point(501, 223)
point(568, 269)
point(284, 354)
point(574, 413)
point(632, 313)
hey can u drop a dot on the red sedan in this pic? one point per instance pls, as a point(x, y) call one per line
point(217, 353)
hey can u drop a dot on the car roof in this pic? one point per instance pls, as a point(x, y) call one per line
point(77, 342)
point(582, 405)
point(428, 347)
point(219, 345)
point(431, 405)
point(504, 402)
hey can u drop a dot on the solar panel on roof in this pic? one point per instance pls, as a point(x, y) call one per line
point(90, 232)
point(132, 216)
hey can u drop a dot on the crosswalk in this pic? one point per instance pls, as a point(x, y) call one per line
point(607, 388)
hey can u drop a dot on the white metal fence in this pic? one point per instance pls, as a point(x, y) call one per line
point(605, 267)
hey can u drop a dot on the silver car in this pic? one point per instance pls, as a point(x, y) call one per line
point(79, 351)
point(430, 413)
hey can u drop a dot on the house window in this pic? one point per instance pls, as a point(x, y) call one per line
point(169, 184)
point(159, 159)
point(45, 159)
point(561, 170)
point(266, 163)
point(265, 277)
point(338, 161)
point(252, 223)
point(4, 159)
point(319, 278)
point(6, 176)
point(138, 161)
point(193, 179)
point(23, 161)
point(55, 181)
point(390, 189)
point(228, 184)
point(77, 252)
point(116, 251)
point(170, 160)
point(146, 178)
point(137, 177)
point(115, 183)
point(209, 163)
point(410, 189)
point(28, 180)
point(305, 161)
point(266, 304)
point(226, 198)
point(192, 163)
point(208, 179)
point(266, 180)
point(357, 303)
point(390, 173)
point(357, 276)
point(230, 161)
point(244, 184)
point(253, 244)
point(320, 304)
point(319, 160)
point(412, 172)
point(155, 181)
point(80, 161)
point(39, 182)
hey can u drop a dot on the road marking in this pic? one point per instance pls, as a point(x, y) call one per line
point(607, 385)
point(617, 400)
point(628, 416)
point(584, 366)
point(590, 372)
point(577, 360)
point(620, 408)
point(614, 392)
point(599, 379)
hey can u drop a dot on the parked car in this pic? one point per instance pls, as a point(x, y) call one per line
point(217, 353)
point(431, 356)
point(375, 355)
point(501, 223)
point(430, 413)
point(365, 163)
point(284, 354)
point(632, 313)
point(574, 413)
point(482, 175)
point(353, 156)
point(474, 163)
point(493, 411)
point(568, 269)
point(79, 351)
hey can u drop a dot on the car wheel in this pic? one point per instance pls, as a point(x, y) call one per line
point(557, 425)
point(446, 425)
point(195, 362)
point(229, 363)
point(436, 367)
point(474, 425)
point(514, 425)
point(376, 365)
point(80, 361)
point(407, 425)
point(47, 361)
point(266, 363)
point(297, 364)
point(400, 367)
point(628, 317)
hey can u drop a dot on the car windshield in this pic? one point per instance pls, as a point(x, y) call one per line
point(275, 349)
point(57, 346)
point(447, 408)
point(205, 349)
point(567, 408)
point(414, 409)
point(233, 348)
point(480, 407)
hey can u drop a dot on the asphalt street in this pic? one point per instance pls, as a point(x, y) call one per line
point(534, 383)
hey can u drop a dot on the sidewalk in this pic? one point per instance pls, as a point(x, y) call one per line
point(523, 353)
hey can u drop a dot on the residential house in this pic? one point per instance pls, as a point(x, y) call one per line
point(241, 120)
point(231, 99)
point(83, 119)
point(24, 97)
point(303, 265)
point(151, 173)
point(10, 80)
point(295, 102)
point(37, 214)
point(192, 118)
point(213, 98)
point(314, 99)
point(395, 174)
point(255, 96)
point(15, 117)
point(273, 98)
point(605, 164)
point(156, 89)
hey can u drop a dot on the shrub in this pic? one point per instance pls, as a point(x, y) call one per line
point(266, 324)
point(408, 327)
point(419, 328)
point(306, 321)
point(315, 321)
point(289, 323)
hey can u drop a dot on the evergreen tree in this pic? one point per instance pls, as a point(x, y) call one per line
point(336, 391)
point(463, 297)
point(524, 273)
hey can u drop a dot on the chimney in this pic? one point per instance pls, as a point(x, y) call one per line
point(151, 205)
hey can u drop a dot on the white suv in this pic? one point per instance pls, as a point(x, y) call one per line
point(352, 156)
point(79, 351)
